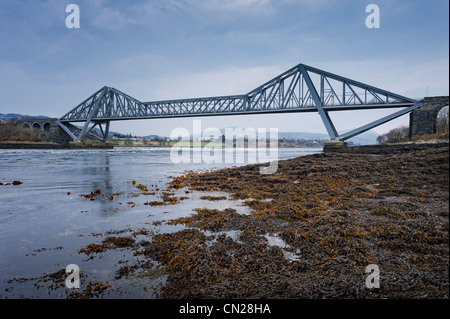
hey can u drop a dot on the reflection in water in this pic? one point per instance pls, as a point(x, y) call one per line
point(44, 221)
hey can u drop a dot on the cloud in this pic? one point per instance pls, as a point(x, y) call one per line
point(249, 7)
point(228, 81)
point(167, 49)
point(310, 3)
point(12, 69)
point(255, 6)
point(118, 16)
point(143, 61)
point(402, 77)
point(236, 4)
point(408, 77)
point(110, 18)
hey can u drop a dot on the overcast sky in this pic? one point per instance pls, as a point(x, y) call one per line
point(170, 49)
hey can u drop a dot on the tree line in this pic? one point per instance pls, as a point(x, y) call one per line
point(402, 133)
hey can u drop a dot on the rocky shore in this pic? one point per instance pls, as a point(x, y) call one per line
point(385, 149)
point(335, 213)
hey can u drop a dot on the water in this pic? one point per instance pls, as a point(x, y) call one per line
point(42, 226)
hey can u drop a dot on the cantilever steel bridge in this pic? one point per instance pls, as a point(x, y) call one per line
point(299, 89)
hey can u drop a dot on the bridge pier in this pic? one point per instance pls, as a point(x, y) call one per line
point(77, 134)
point(105, 133)
point(334, 146)
point(423, 120)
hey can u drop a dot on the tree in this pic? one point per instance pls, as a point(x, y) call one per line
point(395, 135)
point(382, 138)
point(442, 120)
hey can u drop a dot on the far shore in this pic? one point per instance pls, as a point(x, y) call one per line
point(50, 145)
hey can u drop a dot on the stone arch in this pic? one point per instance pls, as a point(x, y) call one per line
point(26, 125)
point(47, 126)
point(442, 119)
point(424, 120)
point(37, 126)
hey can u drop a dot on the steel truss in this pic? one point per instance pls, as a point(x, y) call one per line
point(300, 89)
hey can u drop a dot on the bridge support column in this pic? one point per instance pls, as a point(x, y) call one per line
point(424, 120)
point(334, 145)
point(105, 133)
point(421, 122)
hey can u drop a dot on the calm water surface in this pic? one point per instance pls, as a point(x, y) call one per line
point(42, 226)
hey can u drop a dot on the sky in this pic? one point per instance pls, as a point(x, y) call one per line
point(169, 49)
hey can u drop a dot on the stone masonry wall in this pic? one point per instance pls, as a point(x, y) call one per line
point(423, 121)
point(47, 129)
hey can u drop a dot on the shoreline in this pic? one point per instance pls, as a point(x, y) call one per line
point(385, 149)
point(39, 145)
point(313, 228)
point(49, 145)
point(375, 149)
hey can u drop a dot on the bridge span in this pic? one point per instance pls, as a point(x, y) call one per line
point(300, 89)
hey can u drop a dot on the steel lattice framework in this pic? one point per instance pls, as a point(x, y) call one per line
point(299, 89)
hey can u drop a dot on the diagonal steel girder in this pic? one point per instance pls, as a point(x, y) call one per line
point(319, 105)
point(299, 89)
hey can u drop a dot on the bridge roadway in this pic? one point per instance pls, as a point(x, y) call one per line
point(300, 89)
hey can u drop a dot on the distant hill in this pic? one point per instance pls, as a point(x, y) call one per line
point(366, 138)
point(7, 117)
point(302, 136)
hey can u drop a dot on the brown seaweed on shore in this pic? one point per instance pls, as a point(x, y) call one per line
point(108, 243)
point(14, 183)
point(213, 198)
point(337, 213)
point(341, 212)
point(57, 281)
